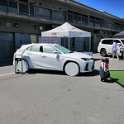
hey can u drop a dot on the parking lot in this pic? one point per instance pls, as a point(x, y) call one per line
point(50, 97)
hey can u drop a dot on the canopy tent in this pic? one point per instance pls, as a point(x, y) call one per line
point(67, 30)
point(120, 34)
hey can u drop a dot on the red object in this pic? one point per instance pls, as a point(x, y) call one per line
point(106, 66)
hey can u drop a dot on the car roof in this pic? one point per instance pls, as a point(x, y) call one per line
point(112, 39)
point(28, 45)
point(49, 44)
point(24, 46)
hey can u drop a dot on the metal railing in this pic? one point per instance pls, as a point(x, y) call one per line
point(32, 10)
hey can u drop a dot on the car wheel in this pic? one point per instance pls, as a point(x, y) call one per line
point(71, 69)
point(103, 52)
point(22, 67)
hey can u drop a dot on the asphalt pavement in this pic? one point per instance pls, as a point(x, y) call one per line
point(114, 64)
point(50, 97)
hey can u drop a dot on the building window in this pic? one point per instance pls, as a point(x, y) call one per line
point(70, 16)
point(23, 7)
point(12, 4)
point(77, 17)
point(84, 18)
point(26, 1)
point(3, 2)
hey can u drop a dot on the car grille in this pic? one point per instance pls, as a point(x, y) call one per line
point(86, 67)
point(89, 67)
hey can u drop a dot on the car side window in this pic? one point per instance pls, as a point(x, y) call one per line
point(110, 42)
point(117, 41)
point(35, 48)
point(104, 42)
point(48, 49)
point(41, 48)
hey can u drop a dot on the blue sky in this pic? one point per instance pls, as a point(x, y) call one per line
point(114, 7)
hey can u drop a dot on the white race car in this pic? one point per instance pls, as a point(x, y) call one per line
point(52, 57)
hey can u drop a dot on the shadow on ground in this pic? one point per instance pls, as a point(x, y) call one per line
point(111, 80)
point(45, 72)
point(88, 74)
point(114, 80)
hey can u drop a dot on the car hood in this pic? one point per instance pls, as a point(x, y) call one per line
point(79, 55)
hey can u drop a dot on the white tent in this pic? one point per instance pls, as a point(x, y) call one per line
point(66, 30)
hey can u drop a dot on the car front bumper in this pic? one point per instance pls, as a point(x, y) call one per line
point(88, 66)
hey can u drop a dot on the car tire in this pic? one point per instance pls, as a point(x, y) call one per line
point(71, 69)
point(22, 67)
point(103, 52)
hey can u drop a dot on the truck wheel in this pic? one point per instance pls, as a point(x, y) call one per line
point(103, 52)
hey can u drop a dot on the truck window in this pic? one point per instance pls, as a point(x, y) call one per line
point(109, 42)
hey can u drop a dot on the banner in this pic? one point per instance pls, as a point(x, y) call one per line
point(56, 40)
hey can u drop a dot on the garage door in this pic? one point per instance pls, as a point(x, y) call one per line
point(6, 48)
point(22, 38)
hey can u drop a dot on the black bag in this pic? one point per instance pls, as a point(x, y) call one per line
point(107, 74)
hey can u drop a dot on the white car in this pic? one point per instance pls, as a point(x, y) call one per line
point(52, 57)
point(105, 46)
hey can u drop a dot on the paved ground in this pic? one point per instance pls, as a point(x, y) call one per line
point(54, 98)
point(114, 63)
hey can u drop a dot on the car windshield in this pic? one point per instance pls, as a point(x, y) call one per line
point(122, 41)
point(62, 49)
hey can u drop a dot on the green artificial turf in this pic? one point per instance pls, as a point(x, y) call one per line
point(118, 76)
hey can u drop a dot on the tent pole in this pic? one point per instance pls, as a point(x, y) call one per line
point(69, 47)
point(90, 44)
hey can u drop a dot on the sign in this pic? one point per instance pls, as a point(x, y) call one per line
point(56, 40)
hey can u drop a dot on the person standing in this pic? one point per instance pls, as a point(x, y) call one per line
point(115, 50)
point(118, 51)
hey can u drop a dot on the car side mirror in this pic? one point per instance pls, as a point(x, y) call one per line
point(55, 52)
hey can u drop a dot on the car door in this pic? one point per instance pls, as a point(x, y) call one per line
point(34, 56)
point(118, 42)
point(50, 59)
